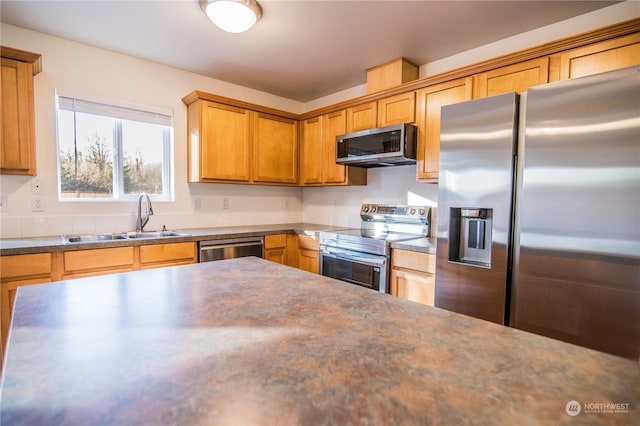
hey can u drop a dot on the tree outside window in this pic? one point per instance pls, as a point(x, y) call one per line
point(112, 152)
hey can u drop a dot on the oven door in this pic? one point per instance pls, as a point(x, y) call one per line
point(363, 269)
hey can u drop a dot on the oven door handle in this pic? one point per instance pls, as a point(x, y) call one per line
point(371, 261)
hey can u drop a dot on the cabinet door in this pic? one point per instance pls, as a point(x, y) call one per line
point(311, 170)
point(224, 143)
point(430, 101)
point(397, 109)
point(16, 271)
point(275, 248)
point(17, 142)
point(362, 117)
point(275, 149)
point(600, 57)
point(160, 255)
point(333, 124)
point(86, 263)
point(513, 78)
point(308, 260)
point(411, 285)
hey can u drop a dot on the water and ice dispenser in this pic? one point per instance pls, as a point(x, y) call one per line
point(470, 236)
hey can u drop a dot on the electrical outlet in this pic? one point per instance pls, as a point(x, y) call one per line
point(4, 204)
point(225, 202)
point(36, 187)
point(286, 204)
point(197, 203)
point(37, 204)
point(335, 204)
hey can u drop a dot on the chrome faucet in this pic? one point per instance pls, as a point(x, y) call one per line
point(142, 220)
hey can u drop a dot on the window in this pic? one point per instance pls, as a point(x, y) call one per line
point(113, 152)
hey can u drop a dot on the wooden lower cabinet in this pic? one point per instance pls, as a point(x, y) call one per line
point(28, 269)
point(87, 263)
point(16, 271)
point(275, 248)
point(173, 254)
point(413, 276)
point(308, 254)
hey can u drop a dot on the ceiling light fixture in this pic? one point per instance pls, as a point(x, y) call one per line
point(232, 16)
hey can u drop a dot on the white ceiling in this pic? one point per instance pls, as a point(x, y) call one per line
point(301, 50)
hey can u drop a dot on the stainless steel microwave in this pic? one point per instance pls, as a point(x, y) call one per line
point(382, 147)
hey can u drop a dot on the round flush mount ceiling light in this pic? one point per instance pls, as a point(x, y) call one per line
point(233, 16)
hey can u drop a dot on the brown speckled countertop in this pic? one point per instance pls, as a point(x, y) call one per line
point(250, 342)
point(55, 243)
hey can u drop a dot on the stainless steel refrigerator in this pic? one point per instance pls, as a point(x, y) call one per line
point(539, 211)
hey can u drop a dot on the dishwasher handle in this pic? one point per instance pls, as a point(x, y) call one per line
point(222, 246)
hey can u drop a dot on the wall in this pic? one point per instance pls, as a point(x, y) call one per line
point(398, 185)
point(79, 68)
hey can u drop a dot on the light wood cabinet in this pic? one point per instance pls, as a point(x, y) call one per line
point(87, 263)
point(172, 254)
point(17, 137)
point(513, 78)
point(600, 57)
point(413, 276)
point(319, 153)
point(429, 102)
point(333, 125)
point(16, 271)
point(362, 117)
point(275, 149)
point(218, 143)
point(308, 253)
point(397, 109)
point(230, 144)
point(275, 248)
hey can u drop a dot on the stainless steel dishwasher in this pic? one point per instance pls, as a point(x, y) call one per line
point(231, 248)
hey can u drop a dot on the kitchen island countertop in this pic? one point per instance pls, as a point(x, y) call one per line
point(247, 341)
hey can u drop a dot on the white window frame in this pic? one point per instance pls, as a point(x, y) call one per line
point(121, 110)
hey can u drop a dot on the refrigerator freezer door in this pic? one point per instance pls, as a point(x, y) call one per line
point(477, 148)
point(577, 263)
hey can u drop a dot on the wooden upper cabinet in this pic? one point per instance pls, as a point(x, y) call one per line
point(218, 143)
point(333, 125)
point(362, 117)
point(319, 153)
point(275, 149)
point(513, 78)
point(430, 100)
point(600, 57)
point(397, 109)
point(17, 137)
point(311, 148)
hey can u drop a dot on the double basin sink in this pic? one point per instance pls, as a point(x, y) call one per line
point(92, 238)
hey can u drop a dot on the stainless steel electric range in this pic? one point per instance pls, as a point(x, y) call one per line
point(361, 256)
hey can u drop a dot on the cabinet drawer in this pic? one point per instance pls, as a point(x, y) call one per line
point(413, 260)
point(308, 242)
point(275, 241)
point(25, 265)
point(167, 252)
point(120, 258)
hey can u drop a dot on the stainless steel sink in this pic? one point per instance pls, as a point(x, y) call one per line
point(155, 234)
point(92, 238)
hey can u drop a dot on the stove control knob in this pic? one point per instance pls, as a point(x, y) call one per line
point(422, 212)
point(365, 209)
point(412, 212)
